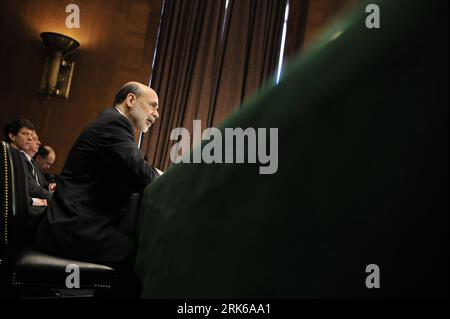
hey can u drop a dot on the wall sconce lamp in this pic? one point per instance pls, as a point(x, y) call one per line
point(57, 75)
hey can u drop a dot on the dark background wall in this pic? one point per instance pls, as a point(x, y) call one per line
point(117, 40)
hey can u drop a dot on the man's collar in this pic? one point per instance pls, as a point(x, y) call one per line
point(29, 158)
point(118, 110)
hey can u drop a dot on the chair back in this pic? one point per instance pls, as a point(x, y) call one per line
point(14, 216)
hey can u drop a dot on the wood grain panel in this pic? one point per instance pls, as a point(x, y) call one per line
point(117, 40)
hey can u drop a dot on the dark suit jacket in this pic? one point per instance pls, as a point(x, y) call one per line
point(34, 189)
point(42, 180)
point(86, 215)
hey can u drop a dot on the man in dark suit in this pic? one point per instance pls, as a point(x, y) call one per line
point(20, 134)
point(45, 158)
point(38, 187)
point(87, 218)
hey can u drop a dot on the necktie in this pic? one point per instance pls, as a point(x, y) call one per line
point(34, 173)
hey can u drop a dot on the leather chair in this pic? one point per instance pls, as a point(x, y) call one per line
point(23, 269)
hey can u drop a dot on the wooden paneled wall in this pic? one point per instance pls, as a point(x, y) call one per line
point(117, 40)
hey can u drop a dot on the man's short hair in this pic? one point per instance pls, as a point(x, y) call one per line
point(15, 126)
point(124, 91)
point(42, 152)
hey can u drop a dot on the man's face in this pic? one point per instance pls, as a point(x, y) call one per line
point(45, 163)
point(23, 139)
point(34, 145)
point(144, 111)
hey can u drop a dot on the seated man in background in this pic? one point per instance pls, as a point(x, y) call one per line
point(87, 217)
point(45, 158)
point(19, 134)
point(37, 186)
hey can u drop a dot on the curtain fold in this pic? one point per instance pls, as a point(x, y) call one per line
point(189, 36)
point(249, 53)
point(295, 36)
point(208, 61)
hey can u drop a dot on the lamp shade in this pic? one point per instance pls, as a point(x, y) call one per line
point(57, 75)
point(59, 42)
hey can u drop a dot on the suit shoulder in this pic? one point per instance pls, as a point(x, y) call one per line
point(112, 119)
point(109, 122)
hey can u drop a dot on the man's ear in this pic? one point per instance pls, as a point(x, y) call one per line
point(12, 137)
point(131, 99)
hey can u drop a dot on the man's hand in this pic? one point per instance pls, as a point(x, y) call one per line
point(39, 202)
point(159, 171)
point(52, 187)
